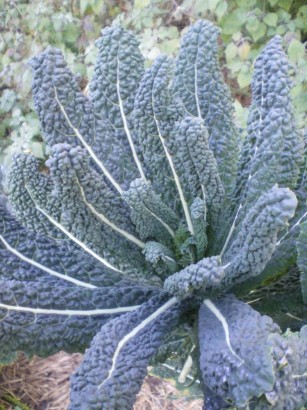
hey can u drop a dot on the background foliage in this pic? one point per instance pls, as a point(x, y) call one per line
point(27, 27)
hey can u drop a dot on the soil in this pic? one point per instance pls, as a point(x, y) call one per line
point(43, 384)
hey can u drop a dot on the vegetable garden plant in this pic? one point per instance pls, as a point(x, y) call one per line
point(155, 234)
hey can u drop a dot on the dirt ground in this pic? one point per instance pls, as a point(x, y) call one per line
point(43, 384)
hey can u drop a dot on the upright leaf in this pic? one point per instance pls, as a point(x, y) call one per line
point(273, 149)
point(66, 115)
point(118, 72)
point(201, 87)
point(152, 218)
point(156, 112)
point(197, 166)
point(56, 205)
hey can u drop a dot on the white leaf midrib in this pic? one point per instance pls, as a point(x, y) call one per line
point(44, 268)
point(68, 312)
point(133, 333)
point(170, 160)
point(106, 221)
point(125, 122)
point(87, 146)
point(71, 236)
point(217, 313)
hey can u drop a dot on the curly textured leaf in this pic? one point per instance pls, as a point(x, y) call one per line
point(198, 211)
point(199, 82)
point(235, 358)
point(257, 235)
point(160, 257)
point(205, 275)
point(115, 365)
point(156, 111)
point(67, 115)
point(56, 204)
point(118, 72)
point(27, 256)
point(289, 353)
point(36, 320)
point(302, 258)
point(273, 149)
point(281, 300)
point(152, 218)
point(197, 166)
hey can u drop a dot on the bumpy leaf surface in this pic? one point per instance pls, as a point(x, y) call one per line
point(273, 149)
point(115, 365)
point(152, 218)
point(156, 112)
point(27, 256)
point(199, 82)
point(118, 72)
point(282, 300)
point(37, 320)
point(205, 275)
point(162, 258)
point(302, 258)
point(197, 166)
point(257, 235)
point(57, 205)
point(290, 356)
point(66, 115)
point(235, 359)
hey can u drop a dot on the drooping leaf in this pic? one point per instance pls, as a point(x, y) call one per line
point(37, 320)
point(115, 365)
point(235, 358)
point(281, 300)
point(257, 235)
point(27, 256)
point(199, 82)
point(118, 72)
point(246, 361)
point(289, 353)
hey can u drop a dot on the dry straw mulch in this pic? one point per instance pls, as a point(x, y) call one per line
point(43, 384)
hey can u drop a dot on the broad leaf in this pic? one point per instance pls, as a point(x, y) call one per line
point(37, 320)
point(116, 363)
point(235, 358)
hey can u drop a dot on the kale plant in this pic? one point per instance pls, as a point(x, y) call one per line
point(155, 234)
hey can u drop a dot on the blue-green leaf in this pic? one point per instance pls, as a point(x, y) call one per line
point(118, 72)
point(116, 363)
point(199, 82)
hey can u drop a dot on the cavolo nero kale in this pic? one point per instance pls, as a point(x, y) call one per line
point(155, 234)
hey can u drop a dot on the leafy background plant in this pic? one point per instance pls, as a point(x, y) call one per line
point(27, 27)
